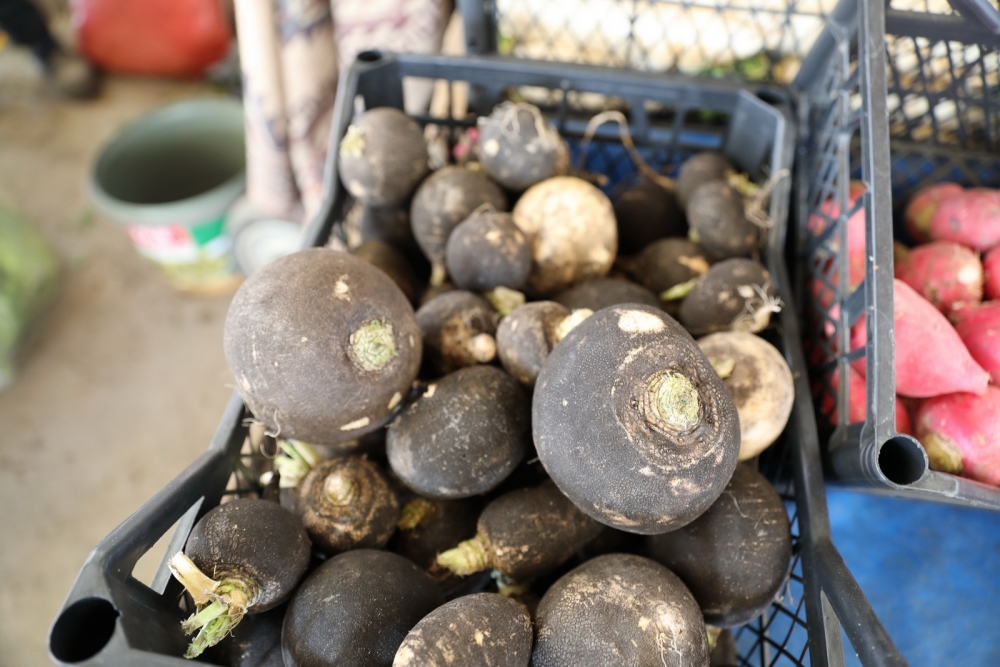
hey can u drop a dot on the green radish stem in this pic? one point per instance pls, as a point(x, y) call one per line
point(671, 402)
point(505, 300)
point(373, 345)
point(467, 558)
point(438, 273)
point(713, 636)
point(294, 462)
point(678, 291)
point(354, 142)
point(413, 513)
point(723, 367)
point(220, 604)
point(339, 488)
point(507, 587)
point(569, 322)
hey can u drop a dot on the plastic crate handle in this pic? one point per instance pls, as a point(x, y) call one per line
point(982, 10)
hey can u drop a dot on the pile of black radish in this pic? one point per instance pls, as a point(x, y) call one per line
point(491, 442)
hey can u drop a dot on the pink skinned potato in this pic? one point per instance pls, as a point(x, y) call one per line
point(991, 274)
point(857, 407)
point(947, 274)
point(855, 234)
point(961, 433)
point(917, 216)
point(979, 328)
point(971, 218)
point(931, 359)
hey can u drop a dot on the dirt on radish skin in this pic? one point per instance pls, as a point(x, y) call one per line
point(931, 358)
point(947, 274)
point(920, 210)
point(961, 433)
point(991, 274)
point(971, 218)
point(979, 328)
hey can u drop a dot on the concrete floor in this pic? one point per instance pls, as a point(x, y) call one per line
point(125, 384)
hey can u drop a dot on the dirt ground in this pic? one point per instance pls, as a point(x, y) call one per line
point(124, 386)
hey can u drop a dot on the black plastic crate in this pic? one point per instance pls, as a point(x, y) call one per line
point(110, 618)
point(897, 98)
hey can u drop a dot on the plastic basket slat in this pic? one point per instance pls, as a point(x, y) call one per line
point(924, 86)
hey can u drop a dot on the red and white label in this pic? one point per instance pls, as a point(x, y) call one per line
point(160, 237)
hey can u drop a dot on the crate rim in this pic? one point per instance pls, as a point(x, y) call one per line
point(833, 593)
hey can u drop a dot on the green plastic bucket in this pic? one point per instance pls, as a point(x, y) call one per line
point(169, 179)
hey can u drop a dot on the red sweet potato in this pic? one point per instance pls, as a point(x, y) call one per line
point(855, 233)
point(971, 218)
point(947, 274)
point(931, 359)
point(961, 433)
point(979, 328)
point(857, 407)
point(917, 216)
point(991, 273)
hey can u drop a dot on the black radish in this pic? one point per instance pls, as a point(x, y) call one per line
point(646, 212)
point(604, 292)
point(382, 157)
point(393, 262)
point(323, 346)
point(445, 199)
point(735, 295)
point(702, 168)
point(346, 503)
point(478, 630)
point(463, 436)
point(524, 534)
point(735, 557)
point(458, 330)
point(527, 335)
point(244, 557)
point(633, 423)
point(668, 267)
point(355, 609)
point(487, 250)
point(255, 642)
point(619, 609)
point(717, 214)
